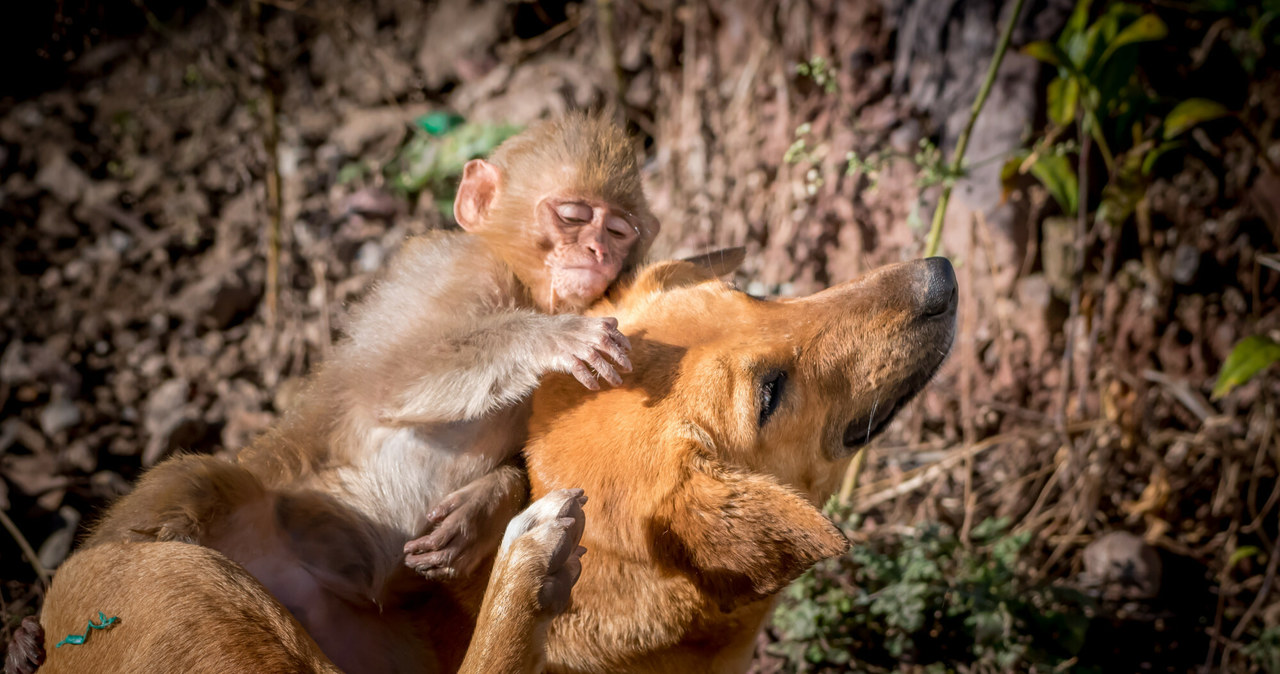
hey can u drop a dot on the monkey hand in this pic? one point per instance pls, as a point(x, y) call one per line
point(589, 343)
point(463, 530)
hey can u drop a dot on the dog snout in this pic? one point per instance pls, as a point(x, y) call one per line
point(935, 287)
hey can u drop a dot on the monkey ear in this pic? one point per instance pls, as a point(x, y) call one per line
point(476, 194)
point(721, 262)
point(741, 536)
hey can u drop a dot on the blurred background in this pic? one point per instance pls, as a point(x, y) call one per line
point(192, 193)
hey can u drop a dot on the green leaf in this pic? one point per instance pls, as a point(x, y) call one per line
point(1191, 112)
point(1147, 28)
point(1251, 356)
point(1243, 553)
point(1058, 176)
point(1046, 52)
point(1075, 25)
point(1063, 96)
point(429, 162)
point(1118, 203)
point(1089, 50)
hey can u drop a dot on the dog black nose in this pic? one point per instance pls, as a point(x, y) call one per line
point(938, 290)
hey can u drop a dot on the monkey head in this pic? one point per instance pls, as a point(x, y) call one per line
point(562, 203)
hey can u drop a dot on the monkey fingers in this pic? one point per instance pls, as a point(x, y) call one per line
point(557, 588)
point(460, 536)
point(603, 368)
point(618, 347)
point(584, 375)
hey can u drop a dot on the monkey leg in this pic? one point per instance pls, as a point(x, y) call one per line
point(178, 500)
point(537, 566)
point(26, 649)
point(465, 528)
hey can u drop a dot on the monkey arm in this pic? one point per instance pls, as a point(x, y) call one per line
point(491, 363)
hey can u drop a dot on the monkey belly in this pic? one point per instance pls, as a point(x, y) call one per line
point(410, 469)
point(310, 570)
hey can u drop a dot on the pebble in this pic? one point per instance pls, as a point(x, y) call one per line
point(58, 416)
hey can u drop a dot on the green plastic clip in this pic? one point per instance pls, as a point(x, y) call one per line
point(103, 623)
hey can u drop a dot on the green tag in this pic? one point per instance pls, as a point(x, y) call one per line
point(103, 623)
point(438, 123)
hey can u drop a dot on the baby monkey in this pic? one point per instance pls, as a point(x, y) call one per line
point(561, 208)
point(400, 452)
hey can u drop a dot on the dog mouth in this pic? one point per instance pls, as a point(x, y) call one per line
point(864, 428)
point(861, 430)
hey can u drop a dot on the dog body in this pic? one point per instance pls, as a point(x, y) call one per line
point(705, 469)
point(734, 429)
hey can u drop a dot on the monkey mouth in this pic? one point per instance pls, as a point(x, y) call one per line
point(581, 282)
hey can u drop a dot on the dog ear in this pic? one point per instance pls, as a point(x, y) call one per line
point(667, 276)
point(721, 262)
point(741, 536)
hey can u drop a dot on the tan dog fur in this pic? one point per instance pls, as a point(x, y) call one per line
point(700, 513)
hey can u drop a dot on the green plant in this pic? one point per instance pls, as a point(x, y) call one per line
point(956, 166)
point(934, 170)
point(927, 599)
point(1097, 90)
point(1264, 652)
point(1096, 64)
point(1250, 356)
point(433, 157)
point(822, 72)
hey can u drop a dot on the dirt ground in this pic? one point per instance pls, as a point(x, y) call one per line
point(135, 212)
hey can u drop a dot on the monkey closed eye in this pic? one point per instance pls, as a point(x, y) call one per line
point(575, 213)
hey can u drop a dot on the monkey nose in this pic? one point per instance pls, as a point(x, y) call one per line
point(598, 248)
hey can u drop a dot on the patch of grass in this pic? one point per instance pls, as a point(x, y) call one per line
point(928, 600)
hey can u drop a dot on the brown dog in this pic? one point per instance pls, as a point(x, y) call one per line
point(733, 427)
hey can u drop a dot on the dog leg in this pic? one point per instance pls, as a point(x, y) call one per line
point(537, 566)
point(176, 501)
point(466, 526)
point(179, 609)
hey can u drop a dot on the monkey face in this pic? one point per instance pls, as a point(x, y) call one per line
point(589, 241)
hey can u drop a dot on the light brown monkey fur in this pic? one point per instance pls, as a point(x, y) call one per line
point(706, 467)
point(398, 452)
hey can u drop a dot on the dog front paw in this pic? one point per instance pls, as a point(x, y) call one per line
point(543, 540)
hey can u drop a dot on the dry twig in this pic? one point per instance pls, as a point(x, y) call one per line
point(27, 551)
point(271, 141)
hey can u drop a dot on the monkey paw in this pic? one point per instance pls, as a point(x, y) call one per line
point(544, 538)
point(589, 345)
point(26, 649)
point(461, 534)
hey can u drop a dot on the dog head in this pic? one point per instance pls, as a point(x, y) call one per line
point(714, 456)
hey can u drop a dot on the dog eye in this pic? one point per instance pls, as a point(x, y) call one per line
point(771, 388)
